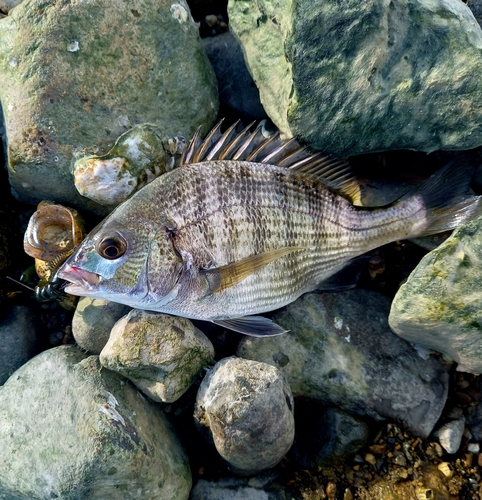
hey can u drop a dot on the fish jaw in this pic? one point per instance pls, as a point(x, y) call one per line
point(81, 282)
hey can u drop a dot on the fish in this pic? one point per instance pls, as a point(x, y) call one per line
point(246, 225)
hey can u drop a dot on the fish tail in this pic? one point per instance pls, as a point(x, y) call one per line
point(445, 198)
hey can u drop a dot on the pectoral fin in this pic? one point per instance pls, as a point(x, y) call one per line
point(221, 278)
point(255, 326)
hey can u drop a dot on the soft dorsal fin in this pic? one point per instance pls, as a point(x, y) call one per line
point(221, 278)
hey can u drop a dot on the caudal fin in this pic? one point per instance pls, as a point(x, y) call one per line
point(445, 196)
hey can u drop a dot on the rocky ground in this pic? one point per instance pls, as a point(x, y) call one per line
point(385, 460)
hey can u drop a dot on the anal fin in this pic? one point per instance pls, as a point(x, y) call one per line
point(255, 326)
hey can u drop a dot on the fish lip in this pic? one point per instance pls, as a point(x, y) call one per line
point(80, 280)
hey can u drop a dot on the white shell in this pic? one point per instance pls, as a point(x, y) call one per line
point(139, 156)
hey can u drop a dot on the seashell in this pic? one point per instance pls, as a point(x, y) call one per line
point(138, 156)
point(52, 234)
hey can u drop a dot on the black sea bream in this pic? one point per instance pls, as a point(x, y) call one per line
point(245, 226)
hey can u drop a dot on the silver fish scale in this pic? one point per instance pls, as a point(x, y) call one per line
point(228, 210)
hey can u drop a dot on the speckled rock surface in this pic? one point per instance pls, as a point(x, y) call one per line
point(84, 433)
point(354, 77)
point(161, 354)
point(246, 409)
point(439, 305)
point(340, 350)
point(17, 340)
point(75, 76)
point(93, 320)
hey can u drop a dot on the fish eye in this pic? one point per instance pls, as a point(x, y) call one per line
point(112, 247)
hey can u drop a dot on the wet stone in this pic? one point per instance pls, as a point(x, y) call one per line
point(100, 437)
point(246, 409)
point(355, 361)
point(161, 354)
point(18, 340)
point(93, 321)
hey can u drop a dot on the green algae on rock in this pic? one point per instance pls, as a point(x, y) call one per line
point(439, 306)
point(71, 430)
point(161, 354)
point(75, 76)
point(355, 77)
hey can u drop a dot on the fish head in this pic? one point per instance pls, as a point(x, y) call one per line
point(109, 264)
point(133, 264)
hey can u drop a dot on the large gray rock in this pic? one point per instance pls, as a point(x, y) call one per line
point(161, 354)
point(237, 91)
point(246, 409)
point(351, 77)
point(340, 350)
point(18, 340)
point(73, 431)
point(75, 76)
point(93, 321)
point(439, 306)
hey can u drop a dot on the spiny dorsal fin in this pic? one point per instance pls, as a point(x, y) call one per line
point(221, 278)
point(259, 146)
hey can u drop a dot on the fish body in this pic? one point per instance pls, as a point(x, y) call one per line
point(224, 239)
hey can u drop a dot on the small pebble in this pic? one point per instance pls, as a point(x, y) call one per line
point(378, 449)
point(348, 495)
point(437, 449)
point(400, 460)
point(446, 469)
point(479, 460)
point(331, 490)
point(463, 398)
point(211, 20)
point(450, 435)
point(370, 458)
point(468, 460)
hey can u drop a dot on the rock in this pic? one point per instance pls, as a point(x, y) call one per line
point(161, 354)
point(476, 8)
point(341, 351)
point(261, 487)
point(18, 334)
point(238, 93)
point(439, 305)
point(105, 69)
point(450, 435)
point(350, 78)
point(7, 5)
point(84, 433)
point(326, 436)
point(93, 320)
point(474, 422)
point(246, 409)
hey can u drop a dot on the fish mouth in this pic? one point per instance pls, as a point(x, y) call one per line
point(81, 281)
